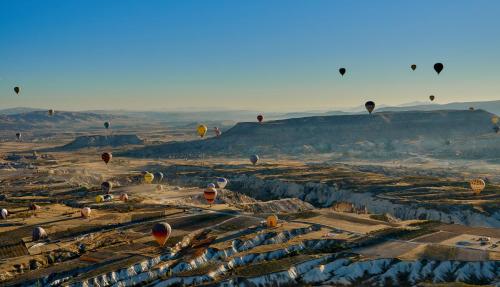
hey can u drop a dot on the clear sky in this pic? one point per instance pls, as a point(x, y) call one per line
point(264, 55)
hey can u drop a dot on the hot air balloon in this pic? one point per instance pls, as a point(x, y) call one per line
point(272, 221)
point(107, 197)
point(4, 213)
point(85, 212)
point(106, 187)
point(342, 71)
point(210, 194)
point(106, 157)
point(18, 136)
point(51, 112)
point(202, 130)
point(99, 198)
point(438, 67)
point(413, 67)
point(260, 118)
point(370, 106)
point(254, 159)
point(217, 132)
point(477, 185)
point(39, 233)
point(34, 207)
point(124, 197)
point(17, 90)
point(158, 176)
point(211, 185)
point(161, 232)
point(431, 97)
point(148, 177)
point(494, 120)
point(106, 125)
point(496, 129)
point(221, 182)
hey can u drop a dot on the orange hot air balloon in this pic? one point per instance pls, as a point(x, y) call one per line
point(272, 221)
point(477, 185)
point(210, 194)
point(106, 157)
point(260, 118)
point(85, 212)
point(161, 232)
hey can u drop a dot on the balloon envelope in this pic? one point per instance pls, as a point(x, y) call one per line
point(210, 194)
point(148, 177)
point(161, 232)
point(260, 118)
point(254, 159)
point(99, 198)
point(211, 185)
point(51, 112)
point(342, 71)
point(106, 157)
point(124, 197)
point(39, 233)
point(413, 67)
point(221, 182)
point(272, 221)
point(106, 187)
point(106, 125)
point(477, 185)
point(4, 213)
point(202, 130)
point(85, 212)
point(18, 136)
point(370, 106)
point(16, 90)
point(431, 97)
point(438, 67)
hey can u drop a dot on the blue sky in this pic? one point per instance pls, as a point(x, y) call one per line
point(264, 55)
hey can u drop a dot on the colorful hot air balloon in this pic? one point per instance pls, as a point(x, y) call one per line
point(254, 159)
point(106, 187)
point(148, 177)
point(494, 120)
point(413, 67)
point(210, 194)
point(477, 185)
point(370, 106)
point(4, 213)
point(158, 176)
point(342, 71)
point(99, 198)
point(51, 112)
point(124, 197)
point(161, 232)
point(85, 212)
point(202, 130)
point(106, 125)
point(211, 185)
point(272, 221)
point(217, 132)
point(18, 136)
point(438, 67)
point(221, 182)
point(16, 90)
point(260, 118)
point(431, 97)
point(39, 233)
point(106, 157)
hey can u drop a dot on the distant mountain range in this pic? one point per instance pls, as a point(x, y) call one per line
point(383, 134)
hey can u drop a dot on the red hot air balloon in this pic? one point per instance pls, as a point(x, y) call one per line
point(210, 194)
point(106, 157)
point(161, 232)
point(260, 118)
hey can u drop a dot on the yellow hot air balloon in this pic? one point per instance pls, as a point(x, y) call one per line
point(477, 185)
point(202, 130)
point(494, 120)
point(272, 221)
point(99, 198)
point(148, 177)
